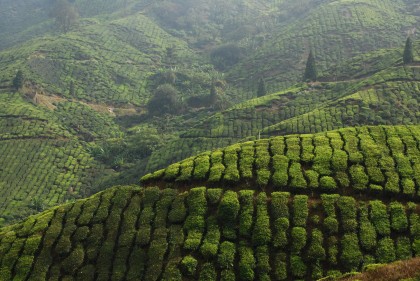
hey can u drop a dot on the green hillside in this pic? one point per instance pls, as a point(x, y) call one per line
point(131, 233)
point(386, 97)
point(42, 163)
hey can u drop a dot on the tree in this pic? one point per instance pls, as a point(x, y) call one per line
point(18, 80)
point(164, 100)
point(408, 56)
point(310, 71)
point(262, 90)
point(65, 14)
point(72, 90)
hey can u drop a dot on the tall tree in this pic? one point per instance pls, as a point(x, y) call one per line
point(72, 90)
point(262, 90)
point(18, 80)
point(408, 56)
point(310, 71)
point(65, 14)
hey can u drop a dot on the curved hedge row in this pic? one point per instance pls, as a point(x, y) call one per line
point(379, 160)
point(130, 233)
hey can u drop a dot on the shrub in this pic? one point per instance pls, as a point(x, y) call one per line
point(210, 244)
point(297, 266)
point(296, 176)
point(246, 198)
point(328, 183)
point(399, 220)
point(348, 211)
point(351, 256)
point(403, 250)
point(229, 208)
point(227, 275)
point(208, 273)
point(280, 269)
point(213, 195)
point(385, 252)
point(380, 218)
point(281, 226)
point(279, 204)
point(226, 256)
point(189, 265)
point(298, 239)
point(313, 178)
point(246, 263)
point(332, 250)
point(262, 255)
point(300, 210)
point(178, 211)
point(316, 251)
point(261, 233)
point(359, 177)
point(280, 166)
point(367, 231)
point(201, 167)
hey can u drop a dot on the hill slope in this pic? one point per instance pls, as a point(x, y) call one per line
point(43, 162)
point(239, 230)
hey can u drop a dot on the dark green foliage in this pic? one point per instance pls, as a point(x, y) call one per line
point(246, 198)
point(226, 256)
point(351, 256)
point(297, 266)
point(164, 100)
point(300, 210)
point(208, 273)
point(367, 232)
point(310, 70)
point(298, 238)
point(246, 263)
point(408, 56)
point(385, 252)
point(348, 209)
point(316, 251)
point(228, 208)
point(210, 244)
point(18, 80)
point(261, 234)
point(380, 218)
point(262, 91)
point(189, 265)
point(399, 220)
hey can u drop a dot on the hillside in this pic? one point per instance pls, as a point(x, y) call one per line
point(42, 162)
point(389, 96)
point(287, 228)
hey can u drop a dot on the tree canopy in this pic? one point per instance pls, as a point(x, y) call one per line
point(408, 56)
point(310, 71)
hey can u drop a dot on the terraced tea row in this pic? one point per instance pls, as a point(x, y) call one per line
point(128, 233)
point(381, 161)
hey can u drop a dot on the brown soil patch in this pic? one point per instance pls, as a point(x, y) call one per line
point(396, 271)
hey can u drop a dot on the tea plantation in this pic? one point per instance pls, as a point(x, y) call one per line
point(130, 233)
point(42, 164)
point(387, 97)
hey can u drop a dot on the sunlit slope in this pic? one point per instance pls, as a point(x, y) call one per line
point(335, 31)
point(387, 97)
point(375, 160)
point(107, 61)
point(41, 163)
point(128, 233)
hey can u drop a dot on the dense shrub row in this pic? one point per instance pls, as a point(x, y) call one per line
point(152, 234)
point(376, 160)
